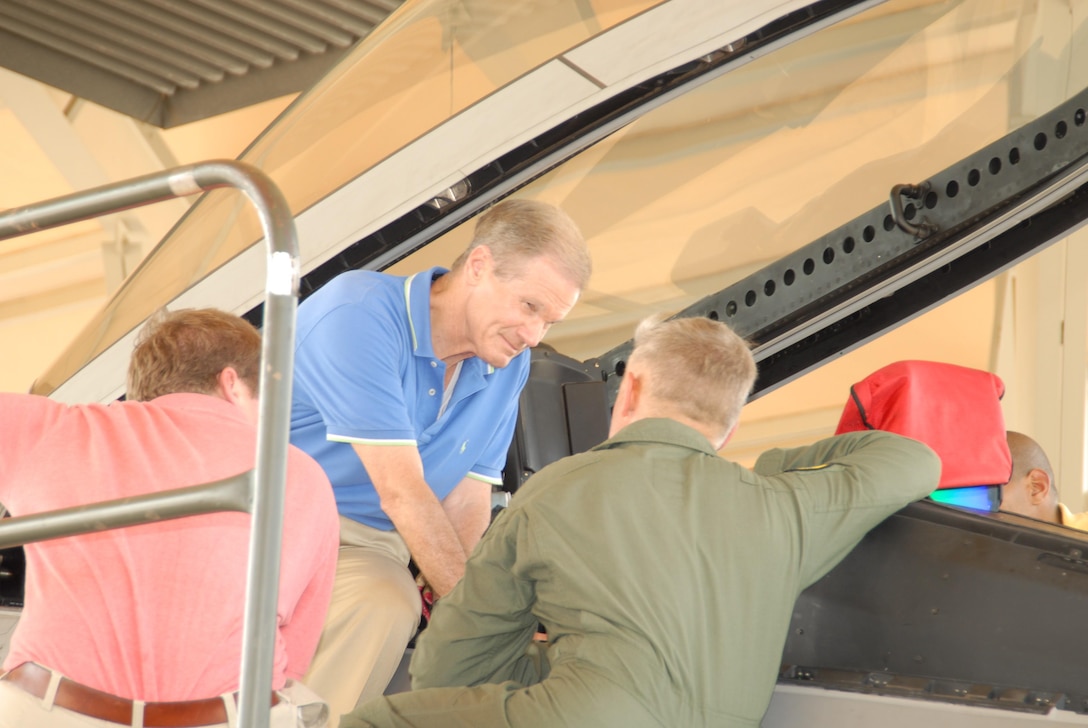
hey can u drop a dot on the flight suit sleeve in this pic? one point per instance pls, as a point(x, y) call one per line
point(846, 485)
point(482, 631)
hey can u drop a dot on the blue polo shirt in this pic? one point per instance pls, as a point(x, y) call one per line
point(365, 372)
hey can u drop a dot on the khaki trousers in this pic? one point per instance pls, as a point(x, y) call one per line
point(374, 613)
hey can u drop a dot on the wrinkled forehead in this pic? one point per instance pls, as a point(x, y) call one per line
point(513, 266)
point(541, 281)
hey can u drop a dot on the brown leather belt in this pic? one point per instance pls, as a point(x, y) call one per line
point(34, 679)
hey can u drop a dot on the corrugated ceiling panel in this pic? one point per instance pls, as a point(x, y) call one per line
point(140, 56)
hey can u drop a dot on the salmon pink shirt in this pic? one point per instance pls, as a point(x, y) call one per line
point(154, 612)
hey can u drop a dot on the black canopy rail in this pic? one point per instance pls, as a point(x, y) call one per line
point(974, 219)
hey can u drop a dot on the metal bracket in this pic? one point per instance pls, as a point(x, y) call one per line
point(901, 217)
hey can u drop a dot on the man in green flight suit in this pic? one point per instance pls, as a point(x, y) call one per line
point(665, 575)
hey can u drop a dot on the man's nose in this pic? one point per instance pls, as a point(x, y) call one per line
point(532, 332)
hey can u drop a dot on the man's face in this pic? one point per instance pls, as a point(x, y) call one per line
point(508, 315)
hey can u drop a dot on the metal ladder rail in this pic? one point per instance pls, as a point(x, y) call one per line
point(261, 491)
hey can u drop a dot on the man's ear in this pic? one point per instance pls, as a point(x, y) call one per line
point(230, 385)
point(1038, 486)
point(478, 262)
point(635, 384)
point(627, 400)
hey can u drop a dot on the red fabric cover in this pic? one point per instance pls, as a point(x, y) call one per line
point(955, 410)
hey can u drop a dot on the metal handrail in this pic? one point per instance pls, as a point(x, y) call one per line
point(261, 491)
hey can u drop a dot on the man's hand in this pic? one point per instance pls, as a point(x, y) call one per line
point(397, 474)
point(427, 595)
point(468, 507)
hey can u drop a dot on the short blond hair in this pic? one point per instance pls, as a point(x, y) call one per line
point(700, 368)
point(517, 230)
point(185, 350)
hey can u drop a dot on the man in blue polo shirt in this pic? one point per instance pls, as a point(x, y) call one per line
point(406, 392)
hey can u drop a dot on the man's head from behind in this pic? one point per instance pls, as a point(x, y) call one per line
point(693, 370)
point(205, 351)
point(1031, 490)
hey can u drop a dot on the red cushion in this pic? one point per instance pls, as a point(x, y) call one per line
point(955, 410)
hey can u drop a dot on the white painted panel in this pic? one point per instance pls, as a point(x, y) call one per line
point(673, 33)
point(481, 133)
point(794, 706)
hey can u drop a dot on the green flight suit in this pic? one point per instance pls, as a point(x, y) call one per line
point(664, 574)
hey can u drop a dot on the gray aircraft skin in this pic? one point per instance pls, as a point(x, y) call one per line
point(732, 147)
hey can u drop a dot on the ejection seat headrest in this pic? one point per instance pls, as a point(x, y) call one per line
point(955, 410)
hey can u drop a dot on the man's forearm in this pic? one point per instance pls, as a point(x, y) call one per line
point(432, 541)
point(468, 507)
point(883, 450)
point(397, 475)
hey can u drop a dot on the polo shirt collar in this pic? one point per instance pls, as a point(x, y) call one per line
point(660, 430)
point(417, 301)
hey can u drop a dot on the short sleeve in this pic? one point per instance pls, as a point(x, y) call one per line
point(352, 365)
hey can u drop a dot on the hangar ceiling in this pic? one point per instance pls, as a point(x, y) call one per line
point(172, 62)
point(96, 91)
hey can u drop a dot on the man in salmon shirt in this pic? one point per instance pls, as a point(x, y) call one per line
point(142, 626)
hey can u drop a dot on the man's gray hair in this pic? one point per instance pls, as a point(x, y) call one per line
point(700, 368)
point(517, 230)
